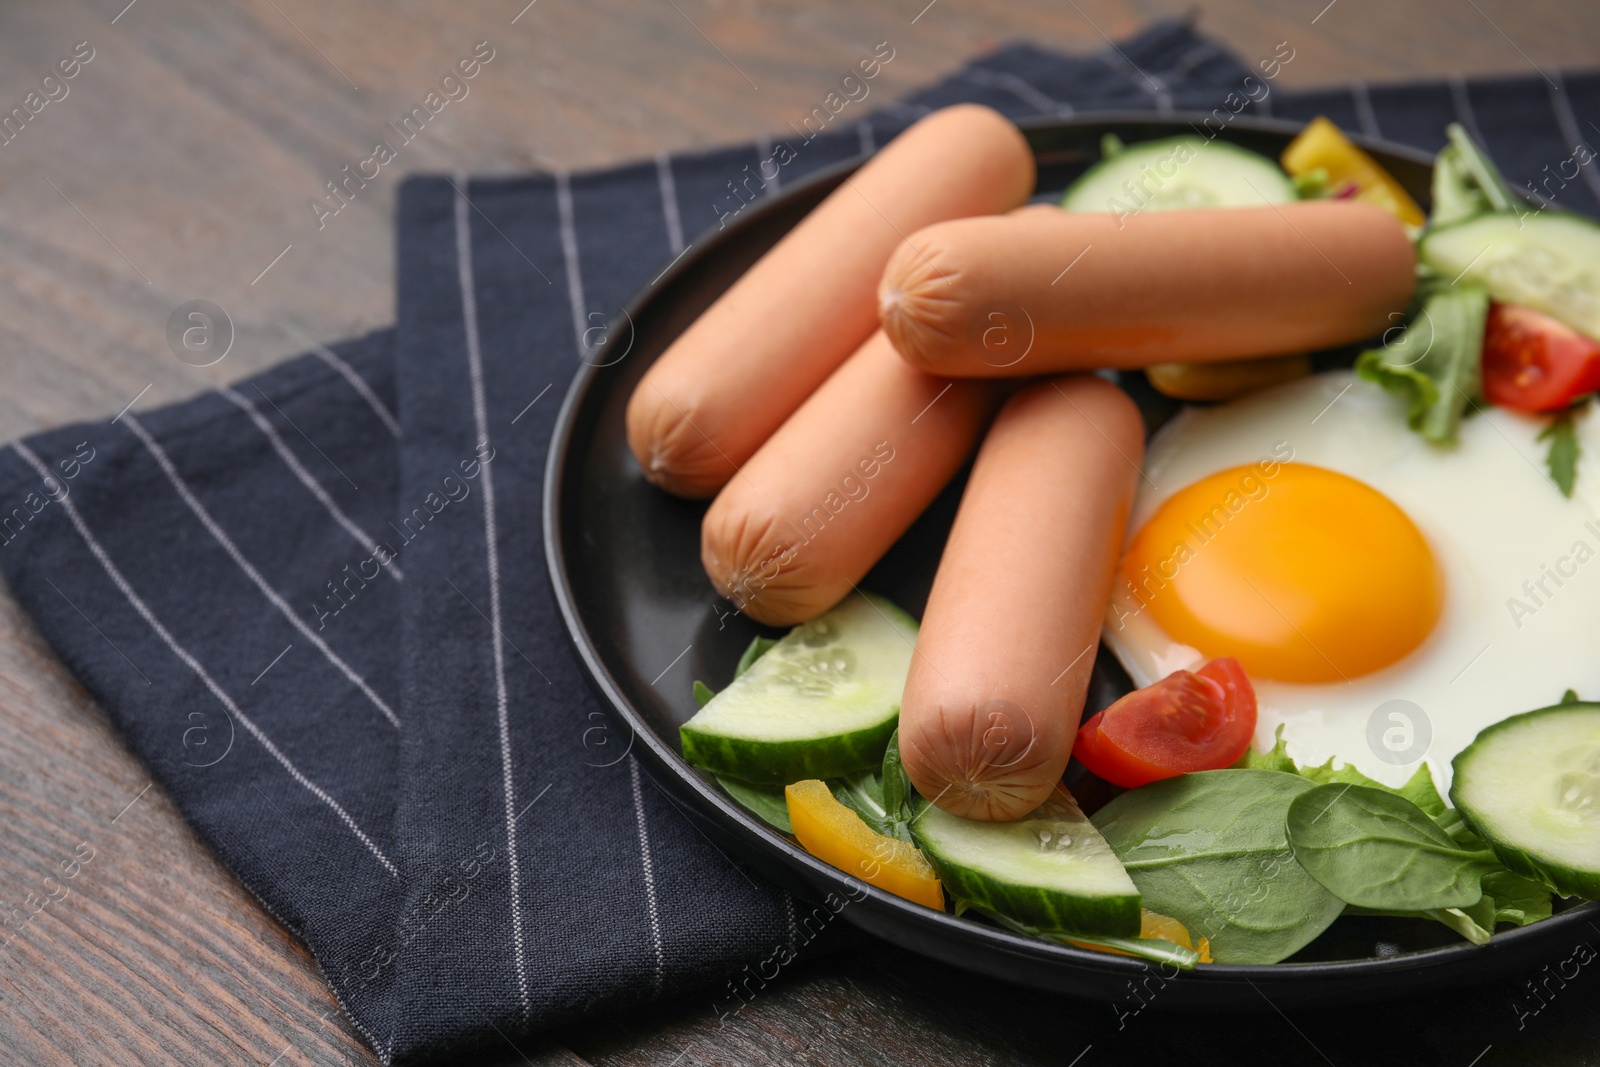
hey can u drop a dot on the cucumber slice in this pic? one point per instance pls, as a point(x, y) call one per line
point(1178, 173)
point(820, 703)
point(1549, 262)
point(1051, 869)
point(1530, 787)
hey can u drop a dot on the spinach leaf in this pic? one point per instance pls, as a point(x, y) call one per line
point(1210, 849)
point(1418, 789)
point(1154, 949)
point(1562, 459)
point(1434, 362)
point(1375, 849)
point(1517, 899)
point(1476, 923)
point(1507, 898)
point(765, 802)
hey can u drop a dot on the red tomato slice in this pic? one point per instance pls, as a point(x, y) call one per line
point(1532, 362)
point(1199, 721)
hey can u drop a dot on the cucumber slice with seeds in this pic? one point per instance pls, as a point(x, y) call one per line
point(1179, 173)
point(1530, 787)
point(822, 702)
point(1051, 869)
point(1549, 262)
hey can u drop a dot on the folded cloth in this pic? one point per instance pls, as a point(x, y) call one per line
point(315, 602)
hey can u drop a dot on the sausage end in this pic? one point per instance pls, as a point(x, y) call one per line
point(671, 451)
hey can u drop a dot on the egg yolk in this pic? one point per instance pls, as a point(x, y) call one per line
point(1301, 573)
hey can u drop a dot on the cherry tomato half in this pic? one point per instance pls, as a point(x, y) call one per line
point(1532, 362)
point(1189, 721)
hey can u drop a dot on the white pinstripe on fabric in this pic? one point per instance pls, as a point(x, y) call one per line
point(1568, 123)
point(133, 598)
point(764, 153)
point(1462, 103)
point(1192, 59)
point(669, 202)
point(1149, 84)
point(649, 868)
point(865, 138)
point(359, 384)
point(1019, 88)
point(361, 537)
point(480, 417)
point(569, 255)
point(1365, 114)
point(221, 536)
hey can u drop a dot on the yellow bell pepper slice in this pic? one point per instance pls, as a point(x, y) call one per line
point(1153, 926)
point(838, 836)
point(1226, 379)
point(1323, 146)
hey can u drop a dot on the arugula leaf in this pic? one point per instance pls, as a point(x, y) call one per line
point(1455, 195)
point(758, 648)
point(897, 791)
point(1375, 849)
point(1562, 459)
point(1434, 362)
point(882, 798)
point(766, 803)
point(1312, 185)
point(862, 793)
point(1480, 170)
point(1211, 850)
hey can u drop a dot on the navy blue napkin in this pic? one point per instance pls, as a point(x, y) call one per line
point(315, 602)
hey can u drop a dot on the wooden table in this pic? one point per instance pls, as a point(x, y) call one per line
point(178, 167)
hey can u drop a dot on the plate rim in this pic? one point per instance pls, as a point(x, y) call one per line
point(663, 761)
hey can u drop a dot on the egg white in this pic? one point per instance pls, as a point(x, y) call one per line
point(1499, 529)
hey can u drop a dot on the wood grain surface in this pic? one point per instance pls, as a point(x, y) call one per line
point(178, 167)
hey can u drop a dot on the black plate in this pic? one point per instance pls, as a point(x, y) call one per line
point(624, 560)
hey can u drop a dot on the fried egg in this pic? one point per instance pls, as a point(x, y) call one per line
point(1389, 597)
